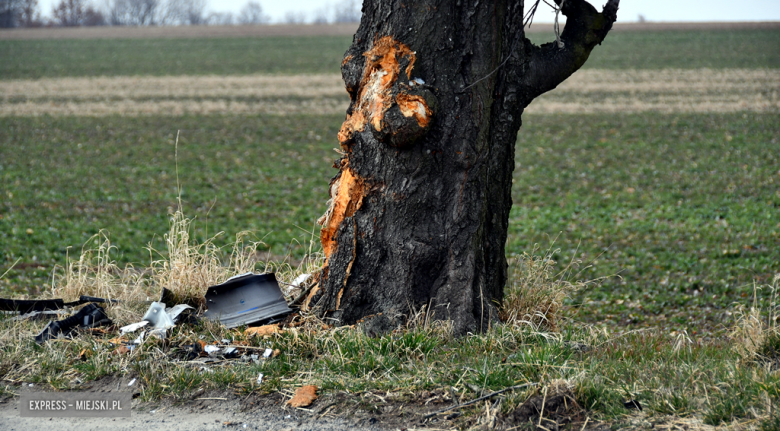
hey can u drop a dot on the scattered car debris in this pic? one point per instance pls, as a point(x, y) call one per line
point(304, 396)
point(41, 315)
point(260, 379)
point(131, 382)
point(299, 282)
point(267, 354)
point(160, 318)
point(90, 316)
point(138, 341)
point(26, 306)
point(133, 327)
point(246, 299)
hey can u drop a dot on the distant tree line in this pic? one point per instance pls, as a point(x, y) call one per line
point(73, 13)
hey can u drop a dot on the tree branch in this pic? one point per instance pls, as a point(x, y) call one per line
point(585, 28)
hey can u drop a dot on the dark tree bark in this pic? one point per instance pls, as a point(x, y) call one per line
point(420, 206)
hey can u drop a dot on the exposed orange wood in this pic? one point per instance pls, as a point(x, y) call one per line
point(414, 106)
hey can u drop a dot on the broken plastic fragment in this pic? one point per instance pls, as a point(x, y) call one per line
point(178, 312)
point(260, 379)
point(133, 327)
point(160, 318)
point(298, 282)
point(267, 353)
point(157, 317)
point(419, 81)
point(25, 306)
point(131, 382)
point(90, 316)
point(211, 349)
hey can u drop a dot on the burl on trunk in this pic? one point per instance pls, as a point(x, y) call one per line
point(419, 209)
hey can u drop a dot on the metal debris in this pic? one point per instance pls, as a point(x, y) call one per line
point(246, 299)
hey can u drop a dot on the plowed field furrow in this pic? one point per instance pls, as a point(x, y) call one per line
point(670, 90)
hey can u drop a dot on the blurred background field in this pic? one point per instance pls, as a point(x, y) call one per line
point(54, 58)
point(667, 185)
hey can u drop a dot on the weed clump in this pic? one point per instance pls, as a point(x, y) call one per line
point(755, 338)
point(185, 267)
point(536, 290)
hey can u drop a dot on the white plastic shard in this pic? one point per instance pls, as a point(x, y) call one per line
point(267, 353)
point(133, 327)
point(299, 280)
point(260, 379)
point(157, 316)
point(176, 312)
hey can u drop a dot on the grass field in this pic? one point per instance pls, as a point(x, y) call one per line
point(660, 176)
point(682, 206)
point(25, 59)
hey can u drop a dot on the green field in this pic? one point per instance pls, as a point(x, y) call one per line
point(684, 208)
point(677, 212)
point(25, 59)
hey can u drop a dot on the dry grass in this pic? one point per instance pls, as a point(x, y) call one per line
point(587, 91)
point(185, 267)
point(751, 333)
point(536, 291)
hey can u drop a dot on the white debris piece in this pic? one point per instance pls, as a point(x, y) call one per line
point(299, 280)
point(133, 327)
point(132, 382)
point(267, 353)
point(157, 316)
point(260, 379)
point(211, 349)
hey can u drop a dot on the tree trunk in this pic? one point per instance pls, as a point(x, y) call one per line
point(420, 207)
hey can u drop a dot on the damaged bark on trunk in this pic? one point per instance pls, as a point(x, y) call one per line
point(419, 209)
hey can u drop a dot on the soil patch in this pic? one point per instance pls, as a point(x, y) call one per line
point(586, 91)
point(554, 412)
